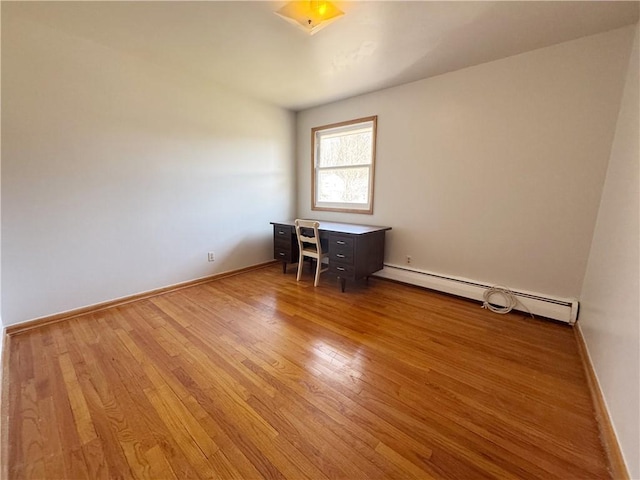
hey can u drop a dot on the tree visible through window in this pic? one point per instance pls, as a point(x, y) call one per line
point(343, 166)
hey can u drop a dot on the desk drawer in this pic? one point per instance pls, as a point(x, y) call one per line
point(283, 242)
point(340, 243)
point(344, 256)
point(342, 270)
point(285, 255)
point(283, 232)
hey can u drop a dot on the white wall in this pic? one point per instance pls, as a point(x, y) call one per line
point(610, 312)
point(118, 176)
point(493, 172)
point(1, 322)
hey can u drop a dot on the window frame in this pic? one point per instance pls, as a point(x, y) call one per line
point(343, 207)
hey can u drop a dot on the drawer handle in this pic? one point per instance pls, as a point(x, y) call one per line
point(340, 268)
point(280, 232)
point(339, 255)
point(340, 242)
point(281, 254)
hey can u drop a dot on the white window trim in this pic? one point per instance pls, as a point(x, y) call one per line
point(366, 208)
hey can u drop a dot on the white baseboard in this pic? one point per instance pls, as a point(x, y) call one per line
point(562, 309)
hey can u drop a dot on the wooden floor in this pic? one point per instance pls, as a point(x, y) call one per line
point(258, 376)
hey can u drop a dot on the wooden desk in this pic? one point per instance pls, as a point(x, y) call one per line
point(355, 251)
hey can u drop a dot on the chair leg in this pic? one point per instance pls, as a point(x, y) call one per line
point(318, 268)
point(300, 265)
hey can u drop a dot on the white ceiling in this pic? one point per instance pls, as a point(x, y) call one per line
point(246, 47)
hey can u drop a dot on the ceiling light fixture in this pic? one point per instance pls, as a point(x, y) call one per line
point(311, 16)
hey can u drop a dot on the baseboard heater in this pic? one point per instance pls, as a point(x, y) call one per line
point(562, 309)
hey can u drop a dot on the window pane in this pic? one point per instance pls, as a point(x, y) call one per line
point(348, 148)
point(343, 165)
point(345, 185)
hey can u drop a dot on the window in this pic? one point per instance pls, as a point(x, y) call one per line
point(343, 165)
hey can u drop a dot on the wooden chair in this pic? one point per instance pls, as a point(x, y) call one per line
point(310, 246)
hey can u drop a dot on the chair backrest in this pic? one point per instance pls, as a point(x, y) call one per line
point(303, 232)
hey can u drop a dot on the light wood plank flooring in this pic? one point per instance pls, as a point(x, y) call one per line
point(258, 376)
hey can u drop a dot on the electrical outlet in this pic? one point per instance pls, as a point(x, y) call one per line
point(408, 259)
point(211, 257)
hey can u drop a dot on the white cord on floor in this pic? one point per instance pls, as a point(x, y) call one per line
point(509, 299)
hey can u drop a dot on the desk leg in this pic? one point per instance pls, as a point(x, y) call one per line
point(284, 267)
point(343, 283)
